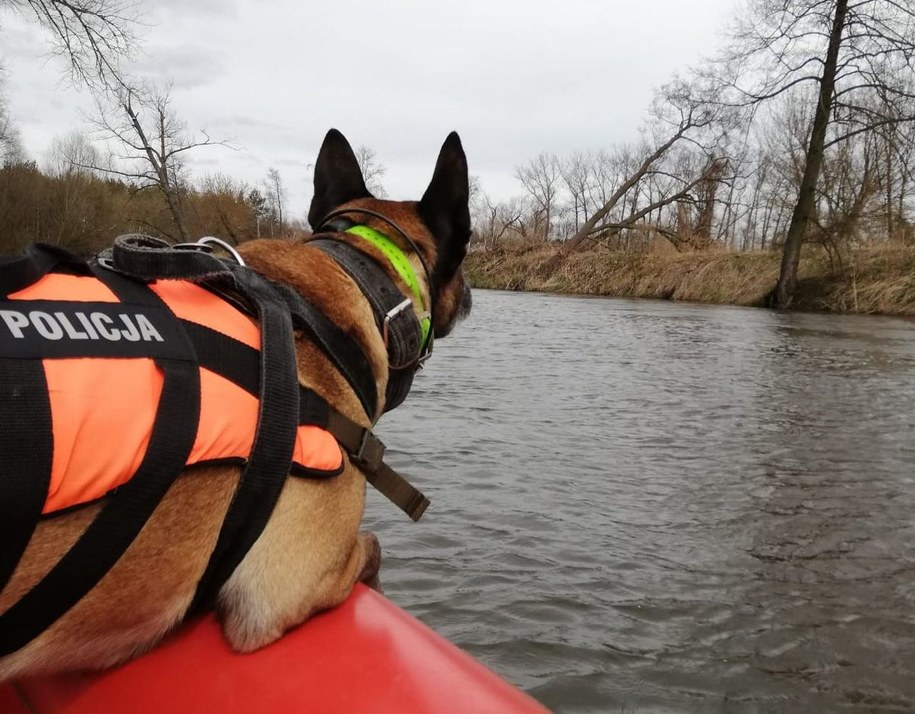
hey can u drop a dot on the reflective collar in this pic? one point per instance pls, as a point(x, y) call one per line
point(402, 265)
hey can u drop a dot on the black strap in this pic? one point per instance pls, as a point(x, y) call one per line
point(26, 439)
point(26, 452)
point(151, 258)
point(120, 519)
point(238, 363)
point(148, 258)
point(274, 441)
point(226, 356)
point(339, 346)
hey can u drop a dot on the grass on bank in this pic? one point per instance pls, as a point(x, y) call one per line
point(876, 279)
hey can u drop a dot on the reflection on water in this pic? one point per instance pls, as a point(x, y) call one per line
point(649, 506)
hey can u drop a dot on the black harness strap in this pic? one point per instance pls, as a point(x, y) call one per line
point(149, 258)
point(238, 363)
point(130, 506)
point(270, 460)
point(26, 450)
point(226, 356)
point(340, 347)
point(274, 440)
point(26, 439)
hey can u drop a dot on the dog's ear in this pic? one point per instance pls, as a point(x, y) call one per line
point(444, 208)
point(338, 178)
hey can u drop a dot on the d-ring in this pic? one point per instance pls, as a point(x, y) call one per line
point(206, 240)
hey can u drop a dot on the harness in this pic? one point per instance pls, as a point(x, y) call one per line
point(139, 324)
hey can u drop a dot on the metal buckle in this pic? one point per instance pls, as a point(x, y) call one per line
point(370, 451)
point(429, 344)
point(391, 314)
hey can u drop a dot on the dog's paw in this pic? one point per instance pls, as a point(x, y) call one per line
point(372, 567)
point(248, 622)
point(243, 638)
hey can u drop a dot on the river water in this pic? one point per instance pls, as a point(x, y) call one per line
point(645, 506)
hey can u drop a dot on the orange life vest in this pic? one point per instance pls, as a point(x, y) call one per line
point(118, 373)
point(102, 409)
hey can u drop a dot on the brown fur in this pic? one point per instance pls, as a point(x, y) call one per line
point(311, 552)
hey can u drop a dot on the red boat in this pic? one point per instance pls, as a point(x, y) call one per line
point(365, 656)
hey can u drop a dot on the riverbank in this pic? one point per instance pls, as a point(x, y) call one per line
point(874, 280)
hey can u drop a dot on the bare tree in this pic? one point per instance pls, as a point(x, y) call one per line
point(260, 209)
point(276, 195)
point(493, 220)
point(10, 144)
point(372, 170)
point(845, 49)
point(152, 142)
point(681, 115)
point(92, 35)
point(542, 179)
point(576, 172)
point(72, 153)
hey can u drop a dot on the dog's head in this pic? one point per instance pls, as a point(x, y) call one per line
point(437, 226)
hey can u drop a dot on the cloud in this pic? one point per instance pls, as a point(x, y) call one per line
point(182, 66)
point(514, 78)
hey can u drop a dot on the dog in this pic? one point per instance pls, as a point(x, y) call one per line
point(311, 552)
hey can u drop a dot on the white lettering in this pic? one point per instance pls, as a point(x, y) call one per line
point(130, 334)
point(135, 327)
point(71, 331)
point(45, 325)
point(147, 329)
point(87, 326)
point(15, 321)
point(101, 322)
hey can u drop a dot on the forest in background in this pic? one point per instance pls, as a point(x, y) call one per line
point(799, 130)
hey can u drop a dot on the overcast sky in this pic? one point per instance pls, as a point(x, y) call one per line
point(513, 77)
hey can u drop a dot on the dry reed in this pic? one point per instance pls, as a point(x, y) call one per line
point(874, 279)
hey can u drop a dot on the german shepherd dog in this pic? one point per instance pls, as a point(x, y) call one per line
point(311, 552)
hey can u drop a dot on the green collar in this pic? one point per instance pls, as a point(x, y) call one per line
point(402, 265)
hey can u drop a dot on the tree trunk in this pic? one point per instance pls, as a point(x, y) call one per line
point(889, 189)
point(158, 160)
point(804, 208)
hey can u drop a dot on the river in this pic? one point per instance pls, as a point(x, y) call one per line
point(647, 506)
